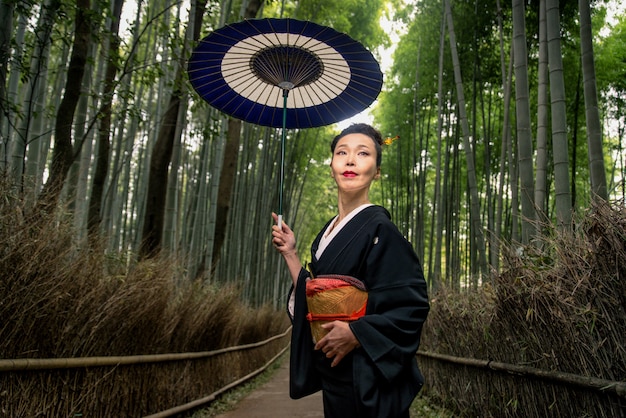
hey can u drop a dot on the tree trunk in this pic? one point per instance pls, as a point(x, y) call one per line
point(541, 182)
point(227, 180)
point(62, 155)
point(559, 120)
point(117, 203)
point(169, 240)
point(479, 237)
point(6, 29)
point(154, 217)
point(229, 167)
point(575, 129)
point(438, 211)
point(104, 131)
point(32, 93)
point(592, 114)
point(507, 75)
point(8, 127)
point(198, 215)
point(157, 178)
point(77, 187)
point(524, 138)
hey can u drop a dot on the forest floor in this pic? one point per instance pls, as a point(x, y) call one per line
point(272, 400)
point(269, 397)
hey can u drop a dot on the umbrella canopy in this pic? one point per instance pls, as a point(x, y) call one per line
point(284, 73)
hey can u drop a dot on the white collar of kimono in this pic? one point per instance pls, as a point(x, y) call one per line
point(328, 237)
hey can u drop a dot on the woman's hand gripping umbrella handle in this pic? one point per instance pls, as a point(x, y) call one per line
point(284, 241)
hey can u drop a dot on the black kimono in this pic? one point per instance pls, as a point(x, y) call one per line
point(382, 374)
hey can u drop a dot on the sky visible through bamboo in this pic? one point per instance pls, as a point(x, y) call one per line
point(395, 30)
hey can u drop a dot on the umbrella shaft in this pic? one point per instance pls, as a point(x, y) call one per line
point(282, 155)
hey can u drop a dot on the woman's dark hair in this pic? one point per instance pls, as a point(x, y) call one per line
point(365, 129)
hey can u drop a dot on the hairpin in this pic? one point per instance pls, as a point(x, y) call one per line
point(389, 140)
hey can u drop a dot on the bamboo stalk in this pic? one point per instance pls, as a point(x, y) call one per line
point(585, 382)
point(69, 363)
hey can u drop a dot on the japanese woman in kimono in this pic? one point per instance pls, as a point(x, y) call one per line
point(366, 367)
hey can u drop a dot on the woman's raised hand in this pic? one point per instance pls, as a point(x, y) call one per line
point(283, 238)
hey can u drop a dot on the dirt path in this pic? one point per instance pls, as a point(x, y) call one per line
point(272, 400)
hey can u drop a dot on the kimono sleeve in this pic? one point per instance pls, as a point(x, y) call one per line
point(303, 378)
point(397, 306)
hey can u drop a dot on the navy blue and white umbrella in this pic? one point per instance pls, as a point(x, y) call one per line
point(284, 73)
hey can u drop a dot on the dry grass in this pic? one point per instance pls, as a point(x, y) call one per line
point(59, 299)
point(559, 309)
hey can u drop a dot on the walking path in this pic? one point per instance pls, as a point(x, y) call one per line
point(272, 400)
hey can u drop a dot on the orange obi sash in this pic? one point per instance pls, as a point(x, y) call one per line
point(334, 298)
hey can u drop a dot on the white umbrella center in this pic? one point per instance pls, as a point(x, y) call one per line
point(260, 67)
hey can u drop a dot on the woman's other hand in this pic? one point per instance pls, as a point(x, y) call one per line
point(339, 341)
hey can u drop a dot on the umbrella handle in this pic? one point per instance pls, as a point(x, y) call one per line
point(279, 223)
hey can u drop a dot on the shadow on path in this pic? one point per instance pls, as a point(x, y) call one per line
point(272, 400)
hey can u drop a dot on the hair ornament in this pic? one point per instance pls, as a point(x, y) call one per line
point(389, 140)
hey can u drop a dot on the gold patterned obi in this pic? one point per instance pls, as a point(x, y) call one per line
point(334, 298)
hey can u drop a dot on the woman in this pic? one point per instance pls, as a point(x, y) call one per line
point(366, 367)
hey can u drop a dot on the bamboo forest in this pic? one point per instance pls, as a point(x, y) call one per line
point(129, 203)
point(510, 121)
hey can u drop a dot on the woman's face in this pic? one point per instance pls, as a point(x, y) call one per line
point(353, 165)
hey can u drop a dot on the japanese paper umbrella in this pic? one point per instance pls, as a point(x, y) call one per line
point(284, 73)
